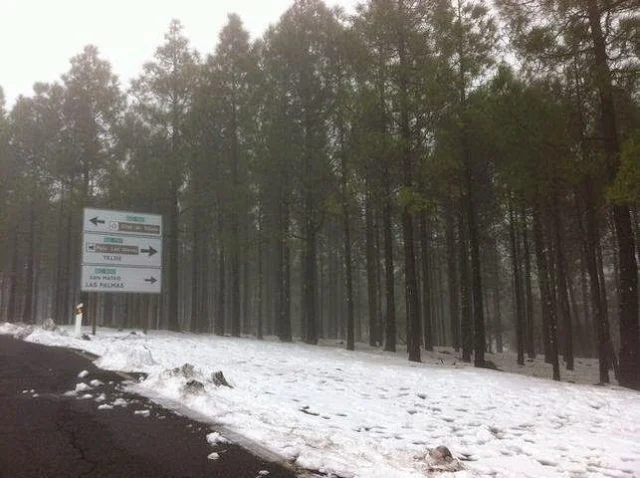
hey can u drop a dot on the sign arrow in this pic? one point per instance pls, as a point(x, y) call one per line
point(151, 279)
point(151, 251)
point(95, 221)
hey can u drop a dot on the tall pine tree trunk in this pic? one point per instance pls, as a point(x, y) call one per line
point(347, 243)
point(528, 289)
point(27, 310)
point(426, 283)
point(70, 253)
point(561, 280)
point(235, 226)
point(545, 294)
point(284, 314)
point(390, 323)
point(495, 294)
point(478, 309)
point(628, 268)
point(309, 282)
point(371, 261)
point(379, 287)
point(12, 300)
point(411, 282)
point(172, 266)
point(466, 321)
point(196, 259)
point(586, 307)
point(220, 322)
point(517, 284)
point(452, 274)
point(598, 294)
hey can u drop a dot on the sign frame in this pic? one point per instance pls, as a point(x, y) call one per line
point(121, 251)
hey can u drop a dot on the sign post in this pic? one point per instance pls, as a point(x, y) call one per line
point(121, 252)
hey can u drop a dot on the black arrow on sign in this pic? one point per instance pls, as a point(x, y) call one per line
point(151, 251)
point(151, 279)
point(96, 221)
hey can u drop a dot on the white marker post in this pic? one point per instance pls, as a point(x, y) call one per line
point(79, 314)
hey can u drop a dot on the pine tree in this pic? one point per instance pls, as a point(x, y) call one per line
point(163, 97)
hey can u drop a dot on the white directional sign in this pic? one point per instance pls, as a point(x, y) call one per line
point(121, 251)
point(121, 279)
point(122, 222)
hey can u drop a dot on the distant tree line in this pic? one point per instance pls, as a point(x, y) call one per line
point(404, 176)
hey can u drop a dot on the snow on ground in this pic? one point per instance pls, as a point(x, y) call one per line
point(369, 414)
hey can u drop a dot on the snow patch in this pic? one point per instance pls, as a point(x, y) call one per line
point(120, 402)
point(215, 439)
point(367, 414)
point(82, 387)
point(126, 357)
point(18, 331)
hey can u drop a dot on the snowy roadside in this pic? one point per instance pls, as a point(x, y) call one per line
point(369, 415)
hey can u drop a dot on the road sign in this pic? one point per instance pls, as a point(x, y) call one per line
point(97, 278)
point(122, 222)
point(116, 249)
point(121, 251)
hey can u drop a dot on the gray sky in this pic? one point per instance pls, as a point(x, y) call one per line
point(38, 37)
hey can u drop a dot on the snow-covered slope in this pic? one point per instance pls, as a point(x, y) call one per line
point(369, 414)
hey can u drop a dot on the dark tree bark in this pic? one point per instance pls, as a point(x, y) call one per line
point(529, 325)
point(561, 283)
point(466, 323)
point(172, 241)
point(390, 323)
point(107, 312)
point(586, 307)
point(12, 300)
point(334, 273)
point(284, 314)
point(426, 283)
point(379, 288)
point(235, 291)
point(635, 223)
point(371, 261)
point(628, 268)
point(580, 347)
point(545, 294)
point(309, 282)
point(68, 292)
point(219, 323)
point(260, 277)
point(235, 225)
point(517, 284)
point(478, 309)
point(495, 287)
point(598, 294)
point(347, 245)
point(452, 274)
point(197, 257)
point(60, 260)
point(411, 282)
point(27, 310)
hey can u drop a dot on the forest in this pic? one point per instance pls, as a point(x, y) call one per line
point(415, 174)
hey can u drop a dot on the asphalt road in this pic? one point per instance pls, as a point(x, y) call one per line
point(45, 433)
